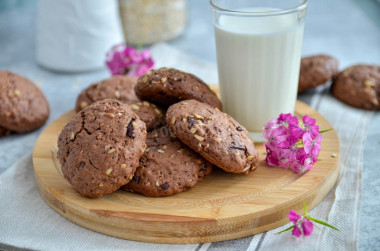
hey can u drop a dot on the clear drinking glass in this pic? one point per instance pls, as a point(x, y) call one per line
point(258, 48)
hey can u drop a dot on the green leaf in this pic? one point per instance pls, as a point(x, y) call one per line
point(299, 143)
point(304, 207)
point(319, 159)
point(321, 222)
point(289, 228)
point(323, 131)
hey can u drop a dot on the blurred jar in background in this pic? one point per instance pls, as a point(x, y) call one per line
point(74, 35)
point(149, 21)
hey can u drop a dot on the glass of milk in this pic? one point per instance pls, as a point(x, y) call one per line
point(258, 48)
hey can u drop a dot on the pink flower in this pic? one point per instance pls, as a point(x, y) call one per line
point(291, 145)
point(307, 227)
point(125, 60)
point(309, 124)
point(287, 120)
point(296, 231)
point(294, 216)
point(303, 224)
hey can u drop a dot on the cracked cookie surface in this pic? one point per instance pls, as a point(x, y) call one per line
point(316, 70)
point(167, 167)
point(121, 88)
point(216, 136)
point(100, 148)
point(359, 86)
point(167, 86)
point(23, 106)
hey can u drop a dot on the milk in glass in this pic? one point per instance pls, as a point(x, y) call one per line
point(258, 65)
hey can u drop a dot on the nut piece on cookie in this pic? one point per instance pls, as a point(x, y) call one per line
point(359, 86)
point(167, 167)
point(214, 135)
point(316, 70)
point(121, 88)
point(167, 86)
point(23, 106)
point(100, 148)
point(152, 115)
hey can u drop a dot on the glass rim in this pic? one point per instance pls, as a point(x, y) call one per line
point(296, 8)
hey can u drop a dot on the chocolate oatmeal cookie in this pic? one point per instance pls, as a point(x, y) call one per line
point(359, 86)
point(152, 115)
point(121, 88)
point(23, 106)
point(168, 86)
point(167, 167)
point(214, 135)
point(100, 148)
point(316, 70)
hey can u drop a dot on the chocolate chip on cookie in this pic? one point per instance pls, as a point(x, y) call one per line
point(150, 114)
point(214, 135)
point(168, 86)
point(167, 167)
point(121, 88)
point(359, 86)
point(100, 148)
point(316, 70)
point(23, 106)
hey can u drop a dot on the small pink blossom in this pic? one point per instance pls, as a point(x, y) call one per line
point(296, 231)
point(294, 216)
point(307, 227)
point(309, 125)
point(298, 220)
point(125, 60)
point(290, 144)
point(303, 225)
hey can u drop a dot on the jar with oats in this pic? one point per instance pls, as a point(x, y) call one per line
point(149, 21)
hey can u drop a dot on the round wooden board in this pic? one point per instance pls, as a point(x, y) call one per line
point(223, 206)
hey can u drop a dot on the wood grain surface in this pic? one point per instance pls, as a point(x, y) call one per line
point(223, 206)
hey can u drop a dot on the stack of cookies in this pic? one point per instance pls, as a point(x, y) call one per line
point(157, 136)
point(23, 106)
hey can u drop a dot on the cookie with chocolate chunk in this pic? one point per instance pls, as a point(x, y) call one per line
point(117, 87)
point(316, 70)
point(23, 106)
point(359, 86)
point(214, 135)
point(168, 86)
point(100, 148)
point(167, 167)
point(152, 115)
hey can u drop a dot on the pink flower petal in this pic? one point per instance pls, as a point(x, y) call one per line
point(307, 227)
point(293, 216)
point(296, 231)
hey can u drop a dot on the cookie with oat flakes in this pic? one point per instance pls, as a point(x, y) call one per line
point(216, 136)
point(167, 167)
point(23, 106)
point(167, 86)
point(117, 87)
point(316, 70)
point(359, 86)
point(100, 148)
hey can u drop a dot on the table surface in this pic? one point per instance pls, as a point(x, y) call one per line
point(347, 29)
